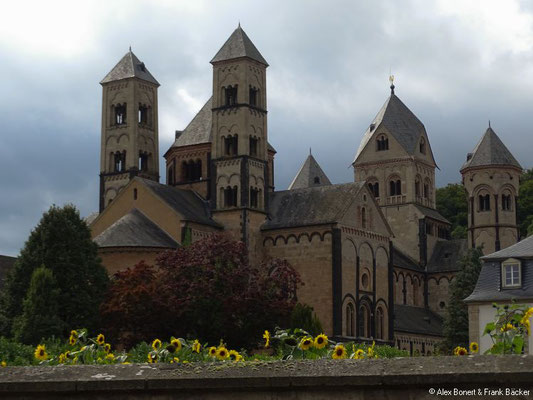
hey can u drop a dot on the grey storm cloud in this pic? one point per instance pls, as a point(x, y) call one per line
point(457, 64)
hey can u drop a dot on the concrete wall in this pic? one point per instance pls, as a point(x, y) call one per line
point(404, 378)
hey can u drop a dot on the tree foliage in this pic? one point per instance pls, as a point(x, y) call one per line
point(207, 290)
point(39, 318)
point(303, 317)
point(525, 203)
point(62, 242)
point(456, 319)
point(452, 203)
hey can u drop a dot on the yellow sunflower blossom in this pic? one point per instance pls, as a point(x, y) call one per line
point(126, 363)
point(239, 358)
point(62, 358)
point(175, 360)
point(222, 353)
point(234, 355)
point(266, 336)
point(40, 352)
point(339, 352)
point(460, 351)
point(152, 358)
point(107, 347)
point(110, 357)
point(321, 341)
point(3, 364)
point(507, 327)
point(100, 339)
point(359, 354)
point(196, 346)
point(176, 343)
point(156, 344)
point(72, 340)
point(306, 343)
point(474, 347)
point(212, 351)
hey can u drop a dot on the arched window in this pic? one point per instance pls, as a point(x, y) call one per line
point(398, 187)
point(143, 161)
point(120, 114)
point(230, 196)
point(135, 194)
point(506, 202)
point(380, 334)
point(120, 161)
point(253, 146)
point(395, 187)
point(350, 320)
point(231, 144)
point(422, 145)
point(363, 218)
point(253, 94)
point(254, 197)
point(364, 321)
point(382, 143)
point(484, 202)
point(417, 186)
point(142, 114)
point(231, 95)
point(374, 188)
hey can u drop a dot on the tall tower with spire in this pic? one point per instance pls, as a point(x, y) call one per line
point(129, 140)
point(240, 178)
point(491, 178)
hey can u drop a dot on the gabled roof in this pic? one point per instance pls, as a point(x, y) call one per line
point(185, 202)
point(309, 173)
point(417, 320)
point(431, 213)
point(490, 150)
point(310, 206)
point(446, 255)
point(135, 230)
point(522, 249)
point(199, 129)
point(400, 122)
point(238, 45)
point(129, 67)
point(402, 260)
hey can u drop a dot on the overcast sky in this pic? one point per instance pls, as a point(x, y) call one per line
point(457, 64)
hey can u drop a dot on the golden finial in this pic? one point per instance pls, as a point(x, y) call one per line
point(391, 80)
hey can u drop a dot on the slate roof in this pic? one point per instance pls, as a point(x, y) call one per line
point(417, 320)
point(6, 264)
point(310, 206)
point(186, 202)
point(402, 260)
point(305, 177)
point(522, 249)
point(490, 150)
point(399, 121)
point(135, 230)
point(446, 255)
point(129, 67)
point(431, 213)
point(199, 129)
point(238, 45)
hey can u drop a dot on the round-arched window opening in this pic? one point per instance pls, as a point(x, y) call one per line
point(364, 197)
point(364, 281)
point(442, 304)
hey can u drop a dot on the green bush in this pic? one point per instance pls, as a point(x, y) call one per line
point(303, 317)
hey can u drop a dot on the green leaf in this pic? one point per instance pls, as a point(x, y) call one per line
point(489, 328)
point(518, 344)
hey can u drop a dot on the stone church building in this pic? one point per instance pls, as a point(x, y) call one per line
point(375, 255)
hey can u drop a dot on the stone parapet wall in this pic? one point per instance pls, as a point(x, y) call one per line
point(403, 378)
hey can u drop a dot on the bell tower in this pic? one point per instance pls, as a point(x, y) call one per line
point(129, 140)
point(239, 164)
point(491, 178)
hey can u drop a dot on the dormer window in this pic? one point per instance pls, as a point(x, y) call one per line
point(511, 273)
point(382, 143)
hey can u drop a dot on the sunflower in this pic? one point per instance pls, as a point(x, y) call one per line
point(62, 358)
point(40, 352)
point(306, 343)
point(107, 347)
point(156, 344)
point(359, 354)
point(176, 343)
point(321, 341)
point(152, 357)
point(196, 346)
point(339, 352)
point(100, 339)
point(460, 351)
point(474, 347)
point(222, 353)
point(526, 324)
point(212, 351)
point(3, 364)
point(266, 336)
point(72, 340)
point(110, 357)
point(370, 352)
point(74, 333)
point(234, 355)
point(507, 327)
point(175, 360)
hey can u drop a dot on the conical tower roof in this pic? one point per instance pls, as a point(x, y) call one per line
point(490, 150)
point(309, 175)
point(238, 45)
point(129, 67)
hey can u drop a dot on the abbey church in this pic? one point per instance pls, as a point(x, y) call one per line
point(375, 255)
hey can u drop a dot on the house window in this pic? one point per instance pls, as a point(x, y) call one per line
point(120, 114)
point(254, 197)
point(382, 143)
point(395, 187)
point(230, 196)
point(511, 274)
point(379, 323)
point(120, 161)
point(231, 145)
point(484, 202)
point(350, 320)
point(231, 95)
point(506, 202)
point(253, 146)
point(143, 161)
point(253, 96)
point(364, 321)
point(143, 114)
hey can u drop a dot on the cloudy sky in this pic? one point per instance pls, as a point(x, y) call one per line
point(457, 64)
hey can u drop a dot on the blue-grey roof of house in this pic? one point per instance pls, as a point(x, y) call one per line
point(522, 249)
point(418, 320)
point(308, 175)
point(129, 67)
point(238, 45)
point(490, 150)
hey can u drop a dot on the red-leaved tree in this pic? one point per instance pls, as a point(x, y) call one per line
point(207, 290)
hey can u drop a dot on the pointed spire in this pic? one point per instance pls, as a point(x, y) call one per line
point(238, 45)
point(130, 48)
point(129, 66)
point(309, 175)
